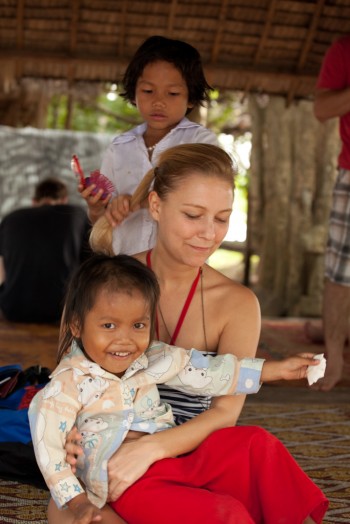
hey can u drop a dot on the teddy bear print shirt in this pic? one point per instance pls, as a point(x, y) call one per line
point(105, 407)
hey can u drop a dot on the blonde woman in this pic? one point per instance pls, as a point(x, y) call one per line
point(190, 195)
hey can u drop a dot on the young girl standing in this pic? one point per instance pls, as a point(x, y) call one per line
point(165, 80)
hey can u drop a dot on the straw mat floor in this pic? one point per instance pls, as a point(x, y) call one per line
point(22, 504)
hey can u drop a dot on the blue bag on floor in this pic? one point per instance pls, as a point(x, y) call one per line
point(17, 458)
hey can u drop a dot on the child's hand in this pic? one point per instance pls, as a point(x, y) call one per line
point(73, 448)
point(290, 368)
point(118, 209)
point(95, 202)
point(84, 511)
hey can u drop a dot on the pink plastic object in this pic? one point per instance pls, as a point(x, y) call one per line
point(100, 181)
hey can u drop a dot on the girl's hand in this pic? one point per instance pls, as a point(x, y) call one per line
point(73, 448)
point(83, 510)
point(118, 209)
point(129, 463)
point(290, 368)
point(96, 203)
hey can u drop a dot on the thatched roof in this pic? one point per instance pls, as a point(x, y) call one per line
point(272, 46)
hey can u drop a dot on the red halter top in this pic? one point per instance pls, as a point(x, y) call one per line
point(185, 307)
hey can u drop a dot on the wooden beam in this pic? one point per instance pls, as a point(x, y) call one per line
point(310, 35)
point(74, 25)
point(111, 64)
point(20, 24)
point(266, 30)
point(122, 32)
point(19, 36)
point(171, 18)
point(219, 32)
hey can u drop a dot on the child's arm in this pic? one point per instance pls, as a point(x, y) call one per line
point(118, 209)
point(52, 414)
point(290, 368)
point(199, 374)
point(226, 374)
point(83, 510)
point(96, 204)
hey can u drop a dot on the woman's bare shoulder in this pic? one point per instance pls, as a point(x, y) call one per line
point(224, 288)
point(234, 313)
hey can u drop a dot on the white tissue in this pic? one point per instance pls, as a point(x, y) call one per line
point(313, 373)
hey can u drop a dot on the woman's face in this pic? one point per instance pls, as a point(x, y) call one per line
point(193, 219)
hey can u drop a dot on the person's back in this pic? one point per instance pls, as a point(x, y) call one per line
point(40, 246)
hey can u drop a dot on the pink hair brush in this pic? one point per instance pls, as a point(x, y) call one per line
point(100, 181)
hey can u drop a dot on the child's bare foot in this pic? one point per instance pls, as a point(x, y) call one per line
point(314, 332)
point(333, 374)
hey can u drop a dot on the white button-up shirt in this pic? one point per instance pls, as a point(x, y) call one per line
point(125, 163)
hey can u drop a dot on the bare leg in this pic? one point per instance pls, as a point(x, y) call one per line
point(336, 317)
point(65, 516)
point(309, 520)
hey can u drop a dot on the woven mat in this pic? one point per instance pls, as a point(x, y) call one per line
point(22, 504)
point(318, 436)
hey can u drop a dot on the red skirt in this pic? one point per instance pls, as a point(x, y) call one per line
point(240, 475)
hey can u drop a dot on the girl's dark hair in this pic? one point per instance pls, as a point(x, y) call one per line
point(120, 273)
point(183, 56)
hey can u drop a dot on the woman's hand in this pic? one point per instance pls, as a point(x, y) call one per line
point(290, 368)
point(129, 463)
point(73, 448)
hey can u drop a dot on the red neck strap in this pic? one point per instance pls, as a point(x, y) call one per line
point(185, 307)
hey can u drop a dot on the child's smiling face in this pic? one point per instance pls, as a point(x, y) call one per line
point(116, 330)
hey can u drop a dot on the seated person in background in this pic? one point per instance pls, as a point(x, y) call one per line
point(40, 246)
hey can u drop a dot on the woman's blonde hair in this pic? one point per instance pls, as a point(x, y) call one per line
point(174, 165)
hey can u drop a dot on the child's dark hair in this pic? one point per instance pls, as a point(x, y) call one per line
point(183, 56)
point(121, 273)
